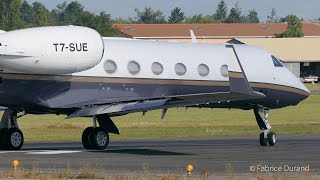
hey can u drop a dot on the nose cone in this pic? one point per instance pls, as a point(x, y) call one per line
point(304, 92)
point(304, 88)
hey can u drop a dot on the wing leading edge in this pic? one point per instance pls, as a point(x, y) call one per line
point(239, 90)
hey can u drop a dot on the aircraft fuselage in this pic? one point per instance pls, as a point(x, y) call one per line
point(41, 93)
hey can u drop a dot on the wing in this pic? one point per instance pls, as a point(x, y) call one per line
point(239, 90)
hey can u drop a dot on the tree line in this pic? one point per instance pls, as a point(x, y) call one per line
point(18, 14)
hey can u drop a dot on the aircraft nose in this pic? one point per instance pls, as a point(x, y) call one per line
point(304, 90)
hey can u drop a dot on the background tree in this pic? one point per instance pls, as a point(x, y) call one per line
point(12, 14)
point(272, 18)
point(252, 17)
point(27, 13)
point(53, 17)
point(86, 19)
point(285, 19)
point(199, 18)
point(72, 12)
point(177, 16)
point(122, 21)
point(2, 15)
point(40, 14)
point(294, 28)
point(104, 24)
point(235, 15)
point(149, 16)
point(60, 10)
point(221, 12)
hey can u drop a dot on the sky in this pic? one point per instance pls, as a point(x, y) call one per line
point(308, 9)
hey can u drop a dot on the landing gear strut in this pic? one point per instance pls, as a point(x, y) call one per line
point(11, 138)
point(98, 137)
point(266, 136)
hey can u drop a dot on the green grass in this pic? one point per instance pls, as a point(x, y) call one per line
point(314, 88)
point(301, 119)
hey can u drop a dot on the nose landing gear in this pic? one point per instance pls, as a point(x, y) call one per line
point(266, 136)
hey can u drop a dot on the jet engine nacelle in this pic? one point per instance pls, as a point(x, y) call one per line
point(51, 50)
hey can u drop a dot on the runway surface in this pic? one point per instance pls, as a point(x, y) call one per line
point(171, 155)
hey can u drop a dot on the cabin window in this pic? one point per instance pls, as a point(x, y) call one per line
point(224, 70)
point(133, 67)
point(110, 66)
point(203, 70)
point(276, 62)
point(157, 68)
point(180, 69)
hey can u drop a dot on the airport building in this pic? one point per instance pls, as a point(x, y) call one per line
point(300, 55)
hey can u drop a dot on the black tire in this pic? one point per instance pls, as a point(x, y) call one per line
point(3, 138)
point(272, 138)
point(14, 139)
point(100, 138)
point(86, 138)
point(263, 141)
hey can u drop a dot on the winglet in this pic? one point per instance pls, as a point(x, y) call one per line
point(238, 81)
point(193, 37)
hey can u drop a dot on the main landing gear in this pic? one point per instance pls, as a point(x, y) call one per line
point(266, 136)
point(11, 138)
point(98, 137)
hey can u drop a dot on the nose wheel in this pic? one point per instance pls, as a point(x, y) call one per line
point(270, 138)
point(266, 137)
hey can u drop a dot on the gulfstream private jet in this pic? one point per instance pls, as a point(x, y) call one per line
point(73, 71)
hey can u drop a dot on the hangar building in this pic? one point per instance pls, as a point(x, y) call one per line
point(300, 55)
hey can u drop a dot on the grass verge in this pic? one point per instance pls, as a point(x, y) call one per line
point(86, 172)
point(313, 88)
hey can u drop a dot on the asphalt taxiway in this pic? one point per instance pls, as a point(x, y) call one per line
point(215, 155)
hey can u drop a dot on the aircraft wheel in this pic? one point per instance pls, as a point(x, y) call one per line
point(263, 140)
point(3, 138)
point(100, 138)
point(14, 139)
point(272, 139)
point(86, 138)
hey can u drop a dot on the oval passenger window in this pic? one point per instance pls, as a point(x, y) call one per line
point(224, 70)
point(157, 68)
point(203, 70)
point(110, 66)
point(133, 67)
point(180, 69)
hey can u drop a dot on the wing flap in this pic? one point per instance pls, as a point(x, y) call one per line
point(170, 102)
point(119, 108)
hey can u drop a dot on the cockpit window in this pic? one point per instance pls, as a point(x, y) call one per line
point(276, 62)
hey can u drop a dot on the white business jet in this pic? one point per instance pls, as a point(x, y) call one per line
point(73, 71)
